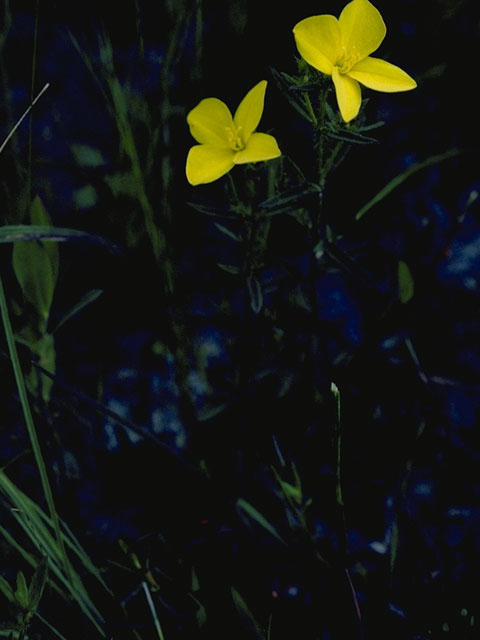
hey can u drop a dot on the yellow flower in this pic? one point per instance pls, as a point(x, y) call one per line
point(341, 49)
point(226, 141)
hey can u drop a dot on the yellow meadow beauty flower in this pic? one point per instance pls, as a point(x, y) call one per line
point(341, 49)
point(226, 141)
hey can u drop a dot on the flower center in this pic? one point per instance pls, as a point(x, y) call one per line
point(234, 138)
point(347, 60)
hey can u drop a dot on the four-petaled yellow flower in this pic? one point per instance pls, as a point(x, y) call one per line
point(226, 141)
point(341, 49)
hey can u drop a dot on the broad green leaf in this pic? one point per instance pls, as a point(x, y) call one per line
point(87, 156)
point(36, 265)
point(39, 217)
point(406, 285)
point(122, 184)
point(85, 197)
point(21, 594)
point(34, 273)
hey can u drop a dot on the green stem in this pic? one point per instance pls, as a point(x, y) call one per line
point(311, 112)
point(319, 224)
point(32, 433)
point(338, 475)
point(333, 156)
point(32, 88)
point(233, 189)
point(321, 140)
point(342, 524)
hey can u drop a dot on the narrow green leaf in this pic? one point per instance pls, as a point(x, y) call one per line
point(230, 213)
point(290, 198)
point(37, 585)
point(211, 411)
point(255, 515)
point(370, 127)
point(32, 233)
point(227, 232)
point(406, 286)
point(229, 268)
point(401, 177)
point(250, 623)
point(393, 545)
point(255, 294)
point(292, 492)
point(6, 589)
point(284, 83)
point(84, 301)
point(352, 137)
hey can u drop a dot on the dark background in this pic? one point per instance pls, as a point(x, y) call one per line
point(221, 387)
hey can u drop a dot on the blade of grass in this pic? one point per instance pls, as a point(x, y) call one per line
point(31, 232)
point(85, 604)
point(32, 433)
point(33, 521)
point(255, 515)
point(401, 177)
point(47, 624)
point(19, 122)
point(153, 611)
point(32, 88)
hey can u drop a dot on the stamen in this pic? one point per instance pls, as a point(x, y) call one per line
point(347, 60)
point(234, 138)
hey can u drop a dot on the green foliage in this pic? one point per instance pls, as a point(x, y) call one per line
point(87, 156)
point(40, 530)
point(250, 513)
point(248, 621)
point(286, 515)
point(25, 599)
point(36, 266)
point(401, 177)
point(406, 285)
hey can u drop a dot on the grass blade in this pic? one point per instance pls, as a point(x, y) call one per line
point(401, 177)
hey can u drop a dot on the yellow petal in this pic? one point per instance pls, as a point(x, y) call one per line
point(381, 76)
point(318, 41)
point(206, 163)
point(249, 112)
point(349, 95)
point(209, 122)
point(362, 28)
point(260, 146)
